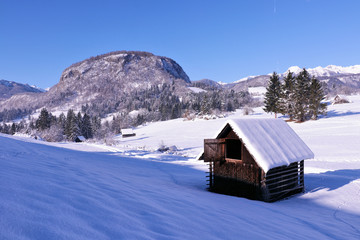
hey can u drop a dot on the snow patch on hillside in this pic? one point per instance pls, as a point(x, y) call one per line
point(257, 90)
point(245, 79)
point(196, 89)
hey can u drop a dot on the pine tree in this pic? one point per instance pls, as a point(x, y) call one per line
point(205, 105)
point(316, 107)
point(79, 121)
point(6, 129)
point(70, 114)
point(62, 120)
point(288, 98)
point(95, 125)
point(229, 107)
point(72, 129)
point(86, 130)
point(302, 93)
point(44, 120)
point(273, 95)
point(13, 129)
point(116, 125)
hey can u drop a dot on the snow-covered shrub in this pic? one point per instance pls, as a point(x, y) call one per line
point(162, 147)
point(53, 134)
point(247, 110)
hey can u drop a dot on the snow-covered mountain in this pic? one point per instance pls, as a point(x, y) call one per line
point(10, 88)
point(336, 79)
point(328, 71)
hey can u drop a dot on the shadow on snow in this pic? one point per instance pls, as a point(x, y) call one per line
point(331, 180)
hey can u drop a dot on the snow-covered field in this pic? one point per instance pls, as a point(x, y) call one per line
point(131, 191)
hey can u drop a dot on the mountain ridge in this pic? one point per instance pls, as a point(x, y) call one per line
point(10, 88)
point(335, 79)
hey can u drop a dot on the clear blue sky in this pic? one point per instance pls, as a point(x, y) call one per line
point(219, 40)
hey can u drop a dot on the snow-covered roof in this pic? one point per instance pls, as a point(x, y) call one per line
point(272, 142)
point(127, 131)
point(81, 138)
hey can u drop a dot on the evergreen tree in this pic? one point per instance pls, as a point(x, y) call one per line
point(13, 129)
point(44, 120)
point(79, 122)
point(72, 129)
point(6, 128)
point(86, 130)
point(95, 125)
point(70, 114)
point(205, 105)
point(116, 125)
point(229, 107)
point(316, 107)
point(62, 120)
point(288, 97)
point(273, 95)
point(301, 96)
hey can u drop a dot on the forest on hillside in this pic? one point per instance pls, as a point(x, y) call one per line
point(154, 104)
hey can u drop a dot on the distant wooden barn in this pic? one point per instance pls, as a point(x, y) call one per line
point(339, 99)
point(260, 159)
point(127, 132)
point(80, 139)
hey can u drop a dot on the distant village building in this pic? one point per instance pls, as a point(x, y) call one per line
point(260, 159)
point(127, 132)
point(80, 139)
point(339, 99)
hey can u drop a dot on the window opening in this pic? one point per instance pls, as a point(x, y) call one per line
point(233, 149)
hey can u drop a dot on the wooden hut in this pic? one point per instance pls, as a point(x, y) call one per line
point(339, 99)
point(260, 159)
point(80, 139)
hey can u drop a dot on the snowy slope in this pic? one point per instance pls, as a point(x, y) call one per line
point(129, 191)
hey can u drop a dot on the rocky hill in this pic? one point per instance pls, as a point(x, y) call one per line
point(108, 77)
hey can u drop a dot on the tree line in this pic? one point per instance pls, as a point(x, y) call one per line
point(152, 105)
point(160, 103)
point(52, 128)
point(299, 97)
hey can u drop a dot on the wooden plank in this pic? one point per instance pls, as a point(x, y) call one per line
point(284, 180)
point(281, 177)
point(292, 170)
point(285, 170)
point(284, 185)
point(214, 150)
